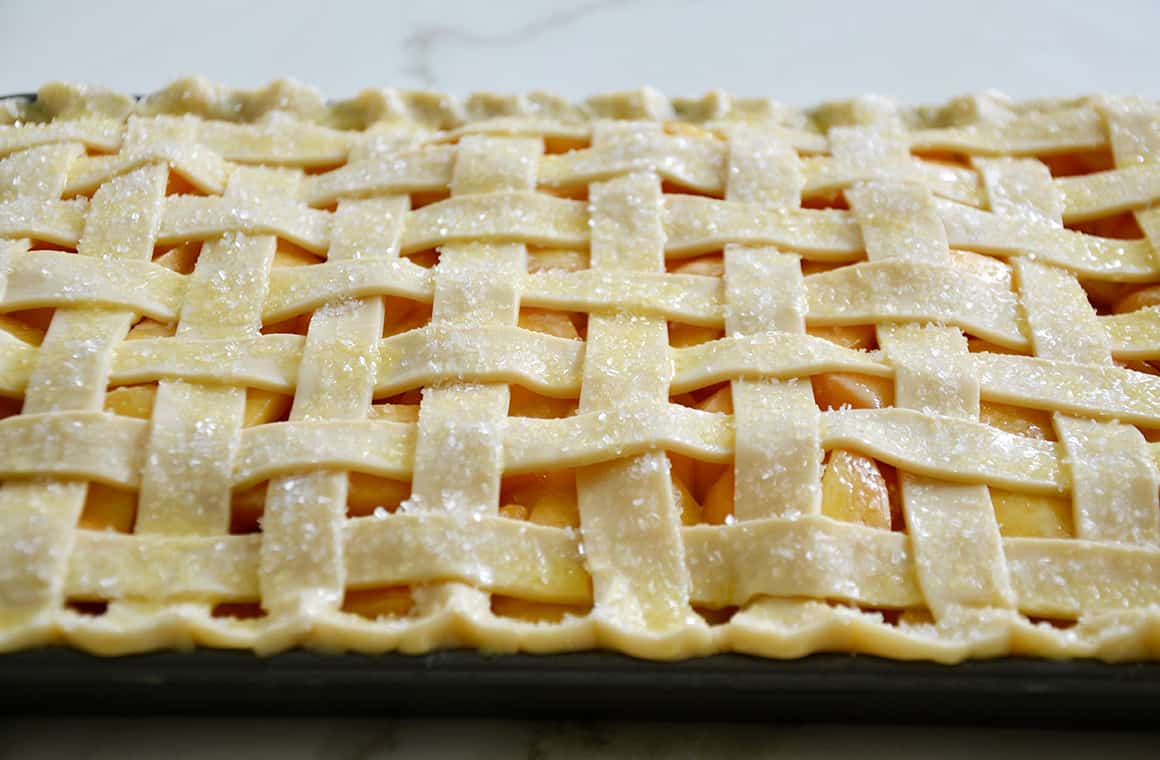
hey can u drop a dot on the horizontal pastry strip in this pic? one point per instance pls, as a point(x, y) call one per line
point(692, 225)
point(813, 557)
point(107, 448)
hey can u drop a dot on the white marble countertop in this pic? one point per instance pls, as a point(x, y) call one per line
point(320, 739)
point(799, 52)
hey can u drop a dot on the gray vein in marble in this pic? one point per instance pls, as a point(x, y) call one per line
point(421, 44)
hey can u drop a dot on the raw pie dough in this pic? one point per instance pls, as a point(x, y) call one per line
point(664, 377)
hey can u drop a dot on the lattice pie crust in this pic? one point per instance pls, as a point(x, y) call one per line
point(664, 377)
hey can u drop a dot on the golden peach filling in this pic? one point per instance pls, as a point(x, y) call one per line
point(545, 498)
point(683, 335)
point(1029, 423)
point(20, 329)
point(374, 603)
point(28, 325)
point(847, 390)
point(404, 315)
point(108, 508)
point(180, 259)
point(854, 490)
point(9, 407)
point(1021, 515)
point(1137, 299)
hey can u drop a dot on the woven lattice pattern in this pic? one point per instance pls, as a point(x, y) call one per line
point(664, 377)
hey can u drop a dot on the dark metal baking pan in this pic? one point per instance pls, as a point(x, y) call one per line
point(828, 687)
point(583, 685)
